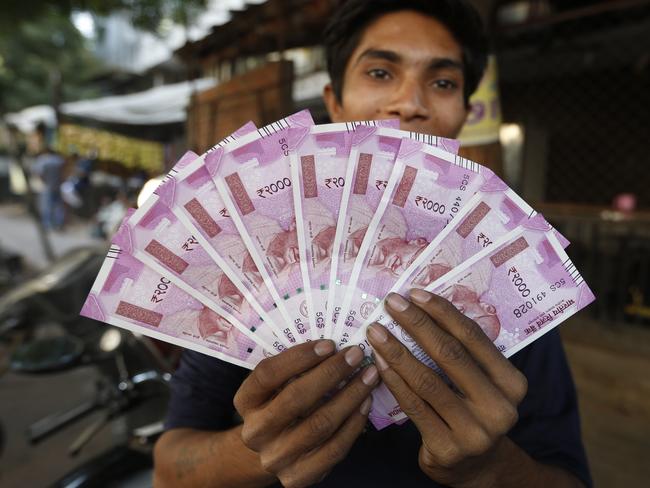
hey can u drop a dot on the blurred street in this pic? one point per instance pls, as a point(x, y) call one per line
point(19, 235)
point(101, 101)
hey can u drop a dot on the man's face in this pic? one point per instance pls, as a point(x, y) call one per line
point(396, 254)
point(407, 66)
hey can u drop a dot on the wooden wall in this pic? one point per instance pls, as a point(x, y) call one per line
point(262, 95)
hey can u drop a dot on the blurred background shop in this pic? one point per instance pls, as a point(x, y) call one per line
point(97, 98)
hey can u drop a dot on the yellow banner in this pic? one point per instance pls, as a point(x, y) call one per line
point(129, 151)
point(483, 122)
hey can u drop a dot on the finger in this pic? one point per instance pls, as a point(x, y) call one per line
point(503, 374)
point(327, 419)
point(419, 386)
point(300, 396)
point(313, 467)
point(271, 373)
point(319, 426)
point(448, 352)
point(441, 439)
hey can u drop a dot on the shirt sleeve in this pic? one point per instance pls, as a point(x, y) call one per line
point(202, 392)
point(549, 422)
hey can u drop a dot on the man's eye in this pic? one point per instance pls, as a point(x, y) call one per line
point(445, 84)
point(379, 74)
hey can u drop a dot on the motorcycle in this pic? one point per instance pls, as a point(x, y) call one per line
point(41, 327)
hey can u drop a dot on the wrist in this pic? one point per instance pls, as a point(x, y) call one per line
point(504, 465)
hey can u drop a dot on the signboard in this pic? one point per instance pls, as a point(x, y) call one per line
point(483, 122)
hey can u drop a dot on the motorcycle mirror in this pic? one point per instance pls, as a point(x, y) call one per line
point(47, 355)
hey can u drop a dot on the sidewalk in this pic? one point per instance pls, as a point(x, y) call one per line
point(18, 234)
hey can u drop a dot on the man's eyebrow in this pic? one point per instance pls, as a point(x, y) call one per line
point(445, 63)
point(393, 57)
point(384, 54)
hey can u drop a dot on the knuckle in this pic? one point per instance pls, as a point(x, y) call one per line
point(502, 420)
point(471, 331)
point(293, 480)
point(334, 369)
point(426, 460)
point(440, 307)
point(427, 383)
point(413, 406)
point(396, 354)
point(509, 417)
point(239, 401)
point(292, 400)
point(269, 462)
point(520, 387)
point(419, 319)
point(265, 373)
point(452, 351)
point(357, 389)
point(250, 433)
point(479, 442)
point(320, 425)
point(337, 452)
point(449, 456)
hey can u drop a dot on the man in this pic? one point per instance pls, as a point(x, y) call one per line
point(419, 61)
point(49, 167)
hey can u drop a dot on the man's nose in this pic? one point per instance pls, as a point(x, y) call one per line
point(408, 102)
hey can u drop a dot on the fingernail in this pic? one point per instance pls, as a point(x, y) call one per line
point(377, 333)
point(420, 295)
point(370, 375)
point(381, 363)
point(354, 355)
point(396, 302)
point(365, 406)
point(323, 348)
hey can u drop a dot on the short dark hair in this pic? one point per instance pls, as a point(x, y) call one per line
point(346, 26)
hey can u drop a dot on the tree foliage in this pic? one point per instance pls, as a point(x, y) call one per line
point(39, 43)
point(41, 55)
point(145, 14)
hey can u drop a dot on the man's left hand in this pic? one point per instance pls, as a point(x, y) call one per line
point(463, 429)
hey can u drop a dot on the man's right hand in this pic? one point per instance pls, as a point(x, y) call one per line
point(299, 435)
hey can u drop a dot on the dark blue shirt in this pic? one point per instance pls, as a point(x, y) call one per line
point(548, 428)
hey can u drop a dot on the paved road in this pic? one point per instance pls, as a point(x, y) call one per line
point(18, 234)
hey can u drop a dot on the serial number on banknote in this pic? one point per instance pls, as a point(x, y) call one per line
point(274, 188)
point(528, 305)
point(160, 290)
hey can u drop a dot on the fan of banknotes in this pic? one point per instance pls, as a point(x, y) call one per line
point(296, 231)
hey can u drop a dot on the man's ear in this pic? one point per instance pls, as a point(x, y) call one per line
point(332, 104)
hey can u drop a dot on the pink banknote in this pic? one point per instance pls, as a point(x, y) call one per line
point(132, 296)
point(155, 236)
point(253, 178)
point(490, 214)
point(319, 158)
point(194, 199)
point(426, 190)
point(372, 156)
point(516, 290)
point(190, 156)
